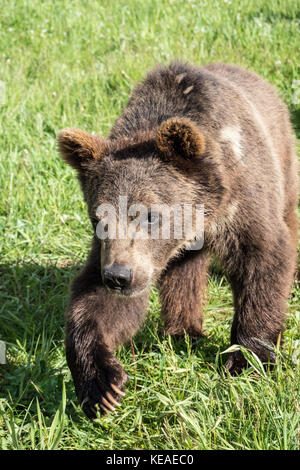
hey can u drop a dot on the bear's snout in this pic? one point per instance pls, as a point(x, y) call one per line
point(117, 277)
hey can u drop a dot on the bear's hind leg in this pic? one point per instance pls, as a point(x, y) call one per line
point(261, 278)
point(182, 294)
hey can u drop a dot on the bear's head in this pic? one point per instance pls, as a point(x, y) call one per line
point(147, 195)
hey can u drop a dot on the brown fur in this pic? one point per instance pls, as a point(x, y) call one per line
point(78, 147)
point(185, 279)
point(180, 137)
point(216, 135)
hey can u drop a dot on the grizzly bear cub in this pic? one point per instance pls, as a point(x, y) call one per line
point(216, 136)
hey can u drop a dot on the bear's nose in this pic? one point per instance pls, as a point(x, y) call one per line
point(117, 276)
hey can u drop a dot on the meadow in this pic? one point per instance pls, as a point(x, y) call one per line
point(74, 64)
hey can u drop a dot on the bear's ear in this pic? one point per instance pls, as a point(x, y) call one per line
point(180, 138)
point(78, 148)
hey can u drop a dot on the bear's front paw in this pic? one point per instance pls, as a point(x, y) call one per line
point(103, 390)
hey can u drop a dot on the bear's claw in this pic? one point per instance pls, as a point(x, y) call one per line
point(111, 399)
point(104, 409)
point(107, 404)
point(117, 390)
point(103, 389)
point(108, 400)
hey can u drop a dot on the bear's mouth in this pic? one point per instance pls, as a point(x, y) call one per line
point(126, 292)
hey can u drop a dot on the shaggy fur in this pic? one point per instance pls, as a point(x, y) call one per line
point(215, 135)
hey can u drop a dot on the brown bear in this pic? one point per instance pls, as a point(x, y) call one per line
point(215, 135)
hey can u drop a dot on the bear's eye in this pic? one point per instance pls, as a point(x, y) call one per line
point(95, 222)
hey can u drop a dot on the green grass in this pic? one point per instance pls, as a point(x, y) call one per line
point(75, 64)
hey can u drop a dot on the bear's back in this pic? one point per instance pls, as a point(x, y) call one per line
point(239, 110)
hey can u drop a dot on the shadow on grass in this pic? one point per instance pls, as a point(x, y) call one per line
point(295, 118)
point(32, 304)
point(270, 17)
point(151, 336)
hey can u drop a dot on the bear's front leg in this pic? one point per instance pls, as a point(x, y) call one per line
point(182, 293)
point(261, 276)
point(97, 322)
